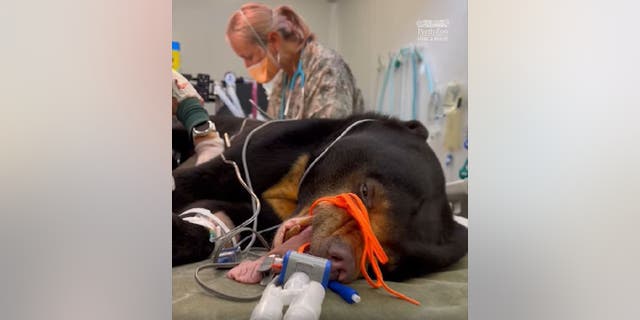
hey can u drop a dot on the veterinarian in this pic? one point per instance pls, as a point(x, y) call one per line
point(309, 80)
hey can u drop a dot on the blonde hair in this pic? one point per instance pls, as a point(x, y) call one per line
point(283, 20)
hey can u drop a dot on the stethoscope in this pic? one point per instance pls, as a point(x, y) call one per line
point(289, 85)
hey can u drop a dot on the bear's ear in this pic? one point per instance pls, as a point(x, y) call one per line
point(417, 128)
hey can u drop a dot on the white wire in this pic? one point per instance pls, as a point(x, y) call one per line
point(247, 185)
point(221, 241)
point(248, 176)
point(270, 228)
point(217, 90)
point(244, 122)
point(255, 201)
point(231, 92)
point(304, 175)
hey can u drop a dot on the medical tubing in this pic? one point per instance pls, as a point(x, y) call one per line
point(231, 92)
point(255, 202)
point(304, 175)
point(248, 185)
point(429, 77)
point(347, 293)
point(414, 101)
point(220, 241)
point(217, 293)
point(244, 123)
point(220, 245)
point(217, 90)
point(392, 89)
point(384, 87)
point(247, 175)
point(291, 83)
point(404, 68)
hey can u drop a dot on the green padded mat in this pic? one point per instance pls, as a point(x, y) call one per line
point(443, 296)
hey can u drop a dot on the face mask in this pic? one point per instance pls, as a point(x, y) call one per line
point(265, 70)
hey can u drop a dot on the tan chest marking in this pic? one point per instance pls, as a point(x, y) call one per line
point(283, 196)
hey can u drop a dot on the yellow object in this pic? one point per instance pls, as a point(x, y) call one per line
point(453, 130)
point(453, 117)
point(175, 55)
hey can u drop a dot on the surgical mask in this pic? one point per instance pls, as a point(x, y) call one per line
point(265, 70)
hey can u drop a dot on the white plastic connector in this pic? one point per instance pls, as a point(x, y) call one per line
point(303, 296)
point(308, 304)
point(270, 305)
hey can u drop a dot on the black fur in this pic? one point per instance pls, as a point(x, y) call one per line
point(392, 152)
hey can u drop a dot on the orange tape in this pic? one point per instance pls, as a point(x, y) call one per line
point(304, 247)
point(372, 249)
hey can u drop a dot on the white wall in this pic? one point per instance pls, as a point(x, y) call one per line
point(373, 28)
point(369, 28)
point(199, 26)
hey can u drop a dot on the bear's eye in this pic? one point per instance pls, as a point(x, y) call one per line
point(365, 195)
point(364, 191)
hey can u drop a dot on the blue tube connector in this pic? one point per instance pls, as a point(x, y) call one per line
point(347, 293)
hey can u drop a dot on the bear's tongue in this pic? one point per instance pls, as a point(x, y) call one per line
point(294, 242)
point(247, 271)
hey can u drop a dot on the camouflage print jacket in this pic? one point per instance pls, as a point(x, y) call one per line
point(329, 91)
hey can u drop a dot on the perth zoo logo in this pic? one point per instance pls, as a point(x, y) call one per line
point(433, 30)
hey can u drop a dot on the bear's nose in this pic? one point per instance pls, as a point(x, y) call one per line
point(342, 262)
